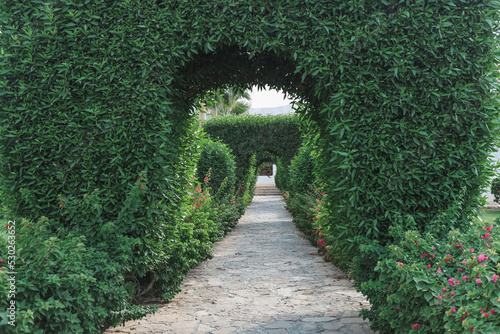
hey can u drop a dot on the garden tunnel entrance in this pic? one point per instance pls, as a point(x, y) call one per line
point(97, 99)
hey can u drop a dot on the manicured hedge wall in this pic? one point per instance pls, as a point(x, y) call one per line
point(247, 135)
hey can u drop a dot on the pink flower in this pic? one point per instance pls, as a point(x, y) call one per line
point(487, 245)
point(429, 266)
point(415, 326)
point(400, 264)
point(457, 282)
point(489, 228)
point(444, 290)
point(460, 269)
point(482, 258)
point(433, 247)
point(494, 278)
point(440, 297)
point(439, 271)
point(464, 262)
point(389, 287)
point(451, 281)
point(433, 256)
point(479, 282)
point(471, 250)
point(452, 293)
point(465, 278)
point(453, 309)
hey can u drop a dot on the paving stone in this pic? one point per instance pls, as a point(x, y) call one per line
point(333, 325)
point(279, 284)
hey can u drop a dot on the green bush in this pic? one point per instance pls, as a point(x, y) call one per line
point(282, 177)
point(253, 137)
point(301, 171)
point(441, 284)
point(217, 164)
point(61, 285)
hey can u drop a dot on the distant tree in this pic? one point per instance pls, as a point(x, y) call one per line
point(229, 101)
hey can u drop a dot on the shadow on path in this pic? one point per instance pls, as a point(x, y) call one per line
point(263, 278)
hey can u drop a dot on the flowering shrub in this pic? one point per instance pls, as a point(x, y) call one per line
point(61, 284)
point(426, 285)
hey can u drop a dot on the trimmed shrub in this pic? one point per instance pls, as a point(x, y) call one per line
point(301, 171)
point(217, 164)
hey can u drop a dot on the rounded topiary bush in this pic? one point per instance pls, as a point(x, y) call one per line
point(217, 163)
point(301, 170)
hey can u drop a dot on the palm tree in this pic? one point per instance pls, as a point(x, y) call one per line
point(229, 102)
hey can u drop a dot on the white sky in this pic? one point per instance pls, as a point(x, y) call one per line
point(267, 98)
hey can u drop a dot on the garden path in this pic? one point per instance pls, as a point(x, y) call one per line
point(263, 278)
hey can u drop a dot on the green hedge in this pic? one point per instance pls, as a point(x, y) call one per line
point(302, 171)
point(248, 135)
point(217, 163)
point(403, 95)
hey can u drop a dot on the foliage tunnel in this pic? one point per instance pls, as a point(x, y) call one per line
point(401, 93)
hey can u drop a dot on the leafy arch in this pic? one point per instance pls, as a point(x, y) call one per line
point(249, 135)
point(403, 94)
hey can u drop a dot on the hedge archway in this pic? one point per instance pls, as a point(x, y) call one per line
point(249, 135)
point(403, 94)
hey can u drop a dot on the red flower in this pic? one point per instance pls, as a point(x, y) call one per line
point(61, 205)
point(2, 261)
point(142, 187)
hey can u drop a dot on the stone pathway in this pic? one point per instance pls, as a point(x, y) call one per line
point(263, 278)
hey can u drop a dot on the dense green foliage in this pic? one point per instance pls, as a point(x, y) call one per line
point(402, 95)
point(447, 284)
point(248, 135)
point(61, 286)
point(217, 164)
point(301, 171)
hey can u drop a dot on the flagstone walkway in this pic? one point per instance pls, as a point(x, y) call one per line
point(263, 278)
